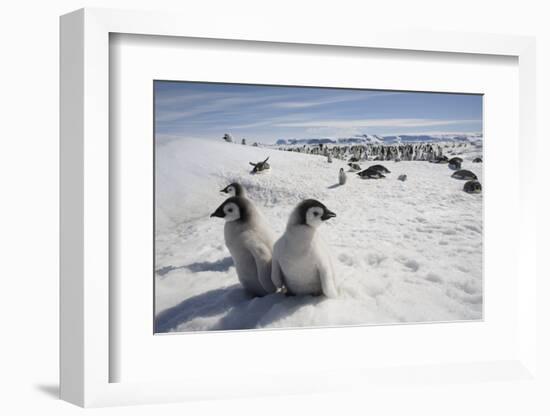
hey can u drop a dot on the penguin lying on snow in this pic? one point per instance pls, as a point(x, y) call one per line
point(370, 174)
point(440, 159)
point(464, 174)
point(260, 166)
point(379, 168)
point(234, 189)
point(472, 187)
point(454, 164)
point(354, 167)
point(301, 261)
point(250, 242)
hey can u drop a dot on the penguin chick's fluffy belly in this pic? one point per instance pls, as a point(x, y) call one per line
point(301, 271)
point(235, 235)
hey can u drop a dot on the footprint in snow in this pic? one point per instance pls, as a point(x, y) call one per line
point(346, 259)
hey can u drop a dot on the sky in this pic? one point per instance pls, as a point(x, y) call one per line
point(268, 113)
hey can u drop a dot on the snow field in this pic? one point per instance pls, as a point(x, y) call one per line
point(402, 251)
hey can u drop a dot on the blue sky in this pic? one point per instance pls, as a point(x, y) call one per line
point(269, 113)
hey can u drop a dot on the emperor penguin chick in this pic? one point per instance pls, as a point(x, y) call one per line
point(250, 242)
point(301, 261)
point(341, 177)
point(234, 189)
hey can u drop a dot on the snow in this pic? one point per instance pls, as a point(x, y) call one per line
point(402, 251)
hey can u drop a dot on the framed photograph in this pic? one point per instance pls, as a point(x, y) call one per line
point(341, 206)
point(229, 198)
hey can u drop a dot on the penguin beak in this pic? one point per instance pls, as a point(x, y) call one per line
point(218, 213)
point(328, 215)
point(224, 190)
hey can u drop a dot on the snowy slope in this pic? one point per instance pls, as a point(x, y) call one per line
point(403, 251)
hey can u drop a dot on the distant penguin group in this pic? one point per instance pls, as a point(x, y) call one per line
point(297, 264)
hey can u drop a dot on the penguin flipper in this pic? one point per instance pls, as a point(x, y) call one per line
point(262, 257)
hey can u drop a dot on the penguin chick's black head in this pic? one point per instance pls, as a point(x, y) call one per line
point(323, 213)
point(237, 189)
point(226, 209)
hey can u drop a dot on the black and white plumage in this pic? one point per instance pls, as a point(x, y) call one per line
point(455, 163)
point(250, 242)
point(354, 167)
point(370, 174)
point(234, 189)
point(464, 174)
point(472, 187)
point(440, 159)
point(342, 176)
point(260, 166)
point(379, 168)
point(301, 260)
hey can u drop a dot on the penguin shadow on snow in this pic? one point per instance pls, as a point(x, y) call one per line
point(207, 304)
point(264, 311)
point(238, 308)
point(221, 265)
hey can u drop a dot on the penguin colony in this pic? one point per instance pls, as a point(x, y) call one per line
point(431, 152)
point(356, 154)
point(298, 263)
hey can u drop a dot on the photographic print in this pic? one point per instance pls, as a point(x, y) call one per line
point(301, 207)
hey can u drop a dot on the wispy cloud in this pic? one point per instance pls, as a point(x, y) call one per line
point(300, 103)
point(268, 113)
point(380, 122)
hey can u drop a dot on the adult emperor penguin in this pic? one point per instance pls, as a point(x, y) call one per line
point(250, 242)
point(301, 261)
point(234, 189)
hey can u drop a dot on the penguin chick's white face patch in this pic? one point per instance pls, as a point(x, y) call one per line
point(231, 190)
point(232, 212)
point(314, 216)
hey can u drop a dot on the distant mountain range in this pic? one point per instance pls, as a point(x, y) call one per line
point(376, 139)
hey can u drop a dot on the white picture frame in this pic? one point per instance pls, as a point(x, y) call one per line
point(86, 262)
